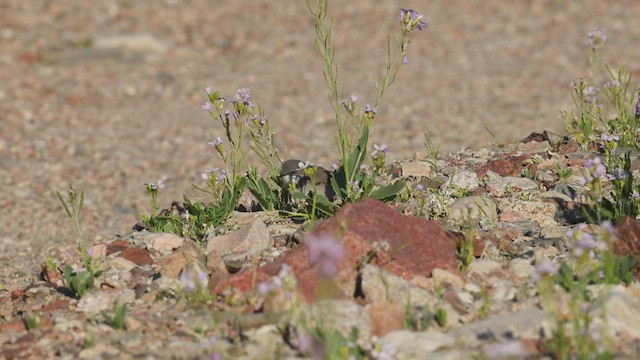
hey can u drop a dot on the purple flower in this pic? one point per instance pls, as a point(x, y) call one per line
point(637, 112)
point(369, 109)
point(217, 142)
point(206, 106)
point(384, 149)
point(243, 95)
point(419, 187)
point(617, 174)
point(208, 90)
point(597, 38)
point(412, 20)
point(157, 185)
point(607, 137)
point(405, 60)
point(325, 251)
point(547, 268)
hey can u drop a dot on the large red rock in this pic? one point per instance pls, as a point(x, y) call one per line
point(369, 231)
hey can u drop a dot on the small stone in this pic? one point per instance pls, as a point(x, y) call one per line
point(121, 264)
point(522, 268)
point(465, 180)
point(96, 301)
point(446, 277)
point(405, 344)
point(136, 255)
point(385, 317)
point(416, 169)
point(250, 242)
point(164, 242)
point(98, 251)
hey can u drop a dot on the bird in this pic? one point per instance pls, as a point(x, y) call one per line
point(292, 171)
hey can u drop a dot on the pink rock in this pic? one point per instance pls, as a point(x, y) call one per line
point(251, 241)
point(369, 231)
point(98, 251)
point(165, 242)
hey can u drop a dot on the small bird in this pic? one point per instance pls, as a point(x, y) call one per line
point(292, 171)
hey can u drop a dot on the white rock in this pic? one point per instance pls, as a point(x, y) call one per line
point(164, 242)
point(484, 267)
point(97, 301)
point(540, 212)
point(416, 169)
point(405, 344)
point(465, 180)
point(521, 268)
point(446, 277)
point(251, 241)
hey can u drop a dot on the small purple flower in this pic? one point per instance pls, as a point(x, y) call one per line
point(353, 98)
point(412, 20)
point(617, 174)
point(208, 90)
point(637, 112)
point(613, 84)
point(368, 109)
point(325, 251)
point(157, 185)
point(590, 93)
point(217, 142)
point(607, 228)
point(405, 60)
point(243, 95)
point(207, 106)
point(419, 187)
point(547, 268)
point(607, 137)
point(597, 38)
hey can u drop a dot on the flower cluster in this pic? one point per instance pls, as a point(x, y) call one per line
point(596, 38)
point(326, 252)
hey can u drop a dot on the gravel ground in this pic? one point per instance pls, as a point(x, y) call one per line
point(106, 94)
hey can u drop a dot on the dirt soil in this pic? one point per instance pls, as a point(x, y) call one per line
point(106, 94)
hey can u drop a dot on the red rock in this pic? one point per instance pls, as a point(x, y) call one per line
point(415, 247)
point(55, 305)
point(511, 166)
point(628, 240)
point(116, 246)
point(385, 317)
point(137, 256)
point(16, 325)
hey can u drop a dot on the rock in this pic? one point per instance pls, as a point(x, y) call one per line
point(188, 253)
point(248, 243)
point(521, 268)
point(133, 42)
point(406, 246)
point(136, 255)
point(540, 212)
point(341, 316)
point(416, 169)
point(628, 240)
point(484, 267)
point(405, 344)
point(622, 312)
point(522, 324)
point(120, 263)
point(385, 317)
point(511, 166)
point(528, 228)
point(476, 208)
point(463, 180)
point(98, 251)
point(446, 277)
point(380, 286)
point(499, 186)
point(164, 242)
point(96, 301)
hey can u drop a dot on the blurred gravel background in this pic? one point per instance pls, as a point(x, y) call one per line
point(106, 94)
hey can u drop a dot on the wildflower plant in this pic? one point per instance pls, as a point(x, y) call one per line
point(591, 260)
point(351, 182)
point(73, 206)
point(607, 117)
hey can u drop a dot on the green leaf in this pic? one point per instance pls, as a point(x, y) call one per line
point(389, 192)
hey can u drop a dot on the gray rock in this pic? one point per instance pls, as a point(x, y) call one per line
point(522, 324)
point(478, 208)
point(405, 344)
point(249, 242)
point(97, 301)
